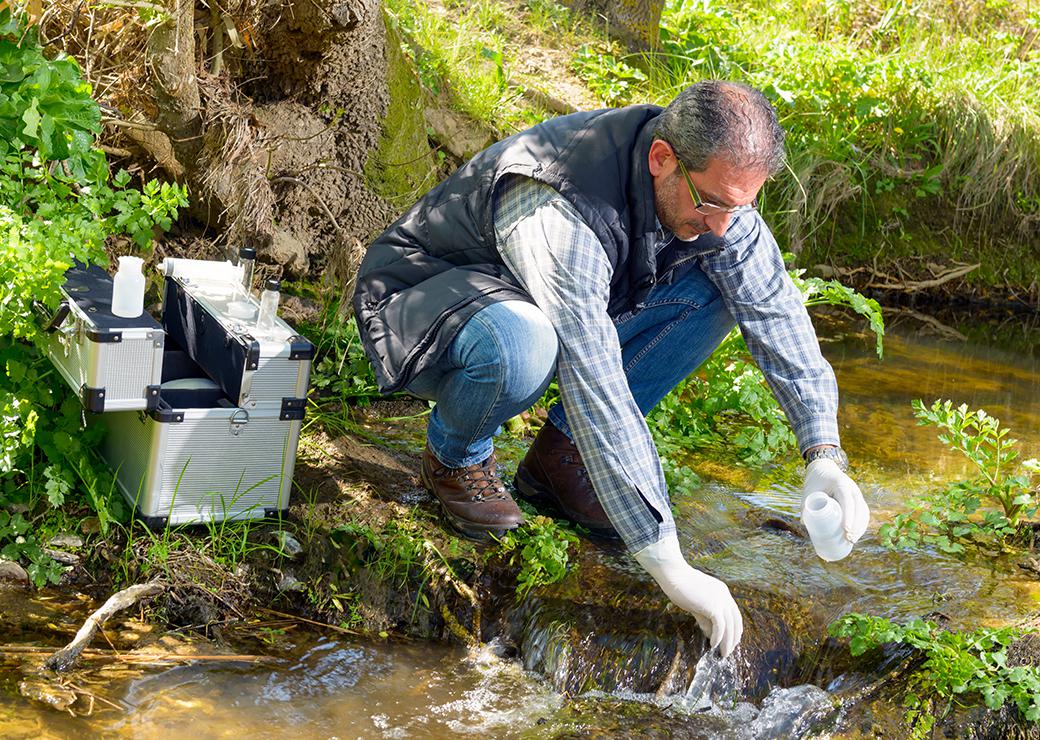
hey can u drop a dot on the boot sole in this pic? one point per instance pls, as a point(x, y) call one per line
point(470, 530)
point(538, 495)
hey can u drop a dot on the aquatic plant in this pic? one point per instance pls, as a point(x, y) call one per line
point(540, 548)
point(950, 667)
point(990, 511)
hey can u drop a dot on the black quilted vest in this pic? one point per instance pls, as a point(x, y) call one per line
point(437, 265)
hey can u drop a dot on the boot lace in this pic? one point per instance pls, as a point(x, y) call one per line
point(480, 479)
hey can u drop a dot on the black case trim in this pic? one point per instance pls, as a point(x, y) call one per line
point(154, 523)
point(104, 337)
point(151, 398)
point(93, 399)
point(165, 414)
point(300, 348)
point(293, 409)
point(252, 352)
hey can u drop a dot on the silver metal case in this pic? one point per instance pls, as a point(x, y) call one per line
point(114, 363)
point(196, 465)
point(257, 369)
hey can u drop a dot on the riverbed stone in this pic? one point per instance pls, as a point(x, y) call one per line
point(65, 558)
point(12, 573)
point(47, 692)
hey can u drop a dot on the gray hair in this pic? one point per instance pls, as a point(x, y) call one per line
point(726, 120)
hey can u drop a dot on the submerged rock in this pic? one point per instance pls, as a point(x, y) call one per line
point(47, 692)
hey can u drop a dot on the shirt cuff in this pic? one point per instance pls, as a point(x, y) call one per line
point(819, 430)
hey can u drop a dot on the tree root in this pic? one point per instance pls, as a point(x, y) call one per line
point(64, 659)
point(435, 564)
point(456, 628)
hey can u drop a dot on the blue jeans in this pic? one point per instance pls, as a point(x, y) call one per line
point(503, 359)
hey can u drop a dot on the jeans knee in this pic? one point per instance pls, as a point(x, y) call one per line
point(524, 347)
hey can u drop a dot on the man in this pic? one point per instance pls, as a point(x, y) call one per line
point(615, 250)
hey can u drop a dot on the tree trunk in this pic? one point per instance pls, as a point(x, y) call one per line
point(272, 112)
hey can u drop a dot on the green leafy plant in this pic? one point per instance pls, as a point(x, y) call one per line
point(341, 371)
point(960, 667)
point(614, 80)
point(540, 548)
point(22, 545)
point(989, 511)
point(57, 205)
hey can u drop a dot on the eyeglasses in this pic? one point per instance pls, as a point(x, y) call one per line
point(710, 209)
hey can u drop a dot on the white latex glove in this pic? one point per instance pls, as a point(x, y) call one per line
point(825, 475)
point(706, 598)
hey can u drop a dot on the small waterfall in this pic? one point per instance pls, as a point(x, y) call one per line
point(784, 712)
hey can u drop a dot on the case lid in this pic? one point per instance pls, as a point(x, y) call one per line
point(224, 355)
point(90, 288)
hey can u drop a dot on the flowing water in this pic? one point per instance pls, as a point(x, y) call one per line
point(599, 654)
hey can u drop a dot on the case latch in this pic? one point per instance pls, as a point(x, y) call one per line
point(238, 420)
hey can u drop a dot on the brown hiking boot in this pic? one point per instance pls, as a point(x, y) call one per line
point(473, 498)
point(553, 474)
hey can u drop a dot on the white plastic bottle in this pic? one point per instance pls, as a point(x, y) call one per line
point(128, 288)
point(821, 516)
point(268, 305)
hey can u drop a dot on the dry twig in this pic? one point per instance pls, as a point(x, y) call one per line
point(67, 656)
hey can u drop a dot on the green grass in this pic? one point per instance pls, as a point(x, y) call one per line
point(914, 134)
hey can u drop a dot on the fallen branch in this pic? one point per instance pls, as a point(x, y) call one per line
point(63, 659)
point(915, 285)
point(297, 618)
point(136, 657)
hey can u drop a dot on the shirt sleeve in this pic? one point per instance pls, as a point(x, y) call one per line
point(759, 293)
point(558, 259)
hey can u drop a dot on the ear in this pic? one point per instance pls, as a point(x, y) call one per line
point(662, 158)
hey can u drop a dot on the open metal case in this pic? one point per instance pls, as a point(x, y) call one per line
point(206, 426)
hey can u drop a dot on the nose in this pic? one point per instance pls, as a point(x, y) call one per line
point(719, 223)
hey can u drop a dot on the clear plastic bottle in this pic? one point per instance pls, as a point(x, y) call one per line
point(821, 516)
point(128, 288)
point(269, 305)
point(247, 260)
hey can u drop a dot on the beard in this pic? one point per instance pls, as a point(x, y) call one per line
point(666, 203)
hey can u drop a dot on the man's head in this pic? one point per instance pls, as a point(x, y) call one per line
point(714, 147)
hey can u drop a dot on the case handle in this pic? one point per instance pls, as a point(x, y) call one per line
point(52, 321)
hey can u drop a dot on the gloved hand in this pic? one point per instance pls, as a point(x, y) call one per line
point(706, 598)
point(824, 475)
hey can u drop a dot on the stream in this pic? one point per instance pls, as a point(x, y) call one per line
point(598, 653)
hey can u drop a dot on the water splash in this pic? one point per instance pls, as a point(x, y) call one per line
point(785, 712)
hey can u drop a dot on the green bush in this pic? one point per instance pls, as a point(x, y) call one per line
point(57, 205)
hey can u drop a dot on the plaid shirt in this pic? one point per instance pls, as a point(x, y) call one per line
point(558, 259)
